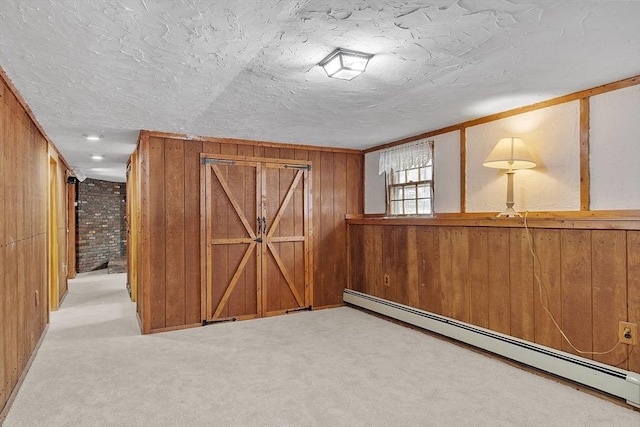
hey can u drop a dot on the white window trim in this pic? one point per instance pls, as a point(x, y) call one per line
point(412, 155)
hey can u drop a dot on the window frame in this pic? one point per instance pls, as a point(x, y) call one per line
point(391, 185)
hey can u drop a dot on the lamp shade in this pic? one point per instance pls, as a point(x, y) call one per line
point(510, 153)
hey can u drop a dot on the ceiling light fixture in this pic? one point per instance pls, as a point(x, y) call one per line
point(97, 157)
point(345, 64)
point(92, 136)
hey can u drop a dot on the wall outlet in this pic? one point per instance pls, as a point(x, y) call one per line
point(386, 280)
point(628, 333)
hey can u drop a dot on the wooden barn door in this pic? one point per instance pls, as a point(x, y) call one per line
point(256, 241)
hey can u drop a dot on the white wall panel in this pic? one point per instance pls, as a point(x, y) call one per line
point(553, 136)
point(615, 149)
point(447, 172)
point(374, 185)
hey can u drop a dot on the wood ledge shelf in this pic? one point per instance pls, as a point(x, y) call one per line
point(599, 220)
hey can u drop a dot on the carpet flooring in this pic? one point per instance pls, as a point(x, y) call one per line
point(337, 367)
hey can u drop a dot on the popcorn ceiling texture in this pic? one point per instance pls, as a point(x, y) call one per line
point(247, 69)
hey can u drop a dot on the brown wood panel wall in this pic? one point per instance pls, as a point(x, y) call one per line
point(169, 230)
point(63, 226)
point(24, 168)
point(486, 276)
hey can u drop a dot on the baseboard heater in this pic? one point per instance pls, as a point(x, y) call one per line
point(611, 380)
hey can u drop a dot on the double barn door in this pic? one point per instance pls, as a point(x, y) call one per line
point(256, 237)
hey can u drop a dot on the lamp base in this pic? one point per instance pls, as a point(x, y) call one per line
point(509, 213)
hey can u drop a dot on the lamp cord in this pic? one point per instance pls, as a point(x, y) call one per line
point(544, 302)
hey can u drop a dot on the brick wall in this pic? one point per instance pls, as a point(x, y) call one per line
point(101, 223)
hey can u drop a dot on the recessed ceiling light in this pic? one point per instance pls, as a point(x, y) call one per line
point(92, 136)
point(97, 157)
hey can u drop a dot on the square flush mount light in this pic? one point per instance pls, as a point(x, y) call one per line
point(345, 64)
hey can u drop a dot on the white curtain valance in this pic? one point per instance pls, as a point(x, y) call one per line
point(407, 156)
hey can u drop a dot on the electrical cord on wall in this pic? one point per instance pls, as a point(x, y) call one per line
point(544, 302)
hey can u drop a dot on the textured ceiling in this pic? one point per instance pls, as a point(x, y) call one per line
point(247, 68)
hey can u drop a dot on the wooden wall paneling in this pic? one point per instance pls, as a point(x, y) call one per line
point(286, 227)
point(302, 224)
point(275, 282)
point(609, 293)
point(547, 293)
point(355, 195)
point(132, 226)
point(252, 190)
point(521, 285)
point(427, 240)
point(463, 169)
point(24, 283)
point(211, 147)
point(242, 183)
point(633, 294)
point(71, 231)
point(258, 151)
point(499, 284)
point(229, 149)
point(376, 259)
point(245, 150)
point(63, 285)
point(18, 172)
point(357, 258)
point(144, 293)
point(157, 237)
point(339, 227)
point(334, 195)
point(219, 256)
point(445, 249)
point(23, 206)
point(130, 222)
point(174, 232)
point(413, 266)
point(388, 264)
point(399, 267)
point(20, 307)
point(5, 389)
point(460, 286)
point(3, 283)
point(585, 178)
point(192, 150)
point(367, 268)
point(10, 328)
point(316, 222)
point(577, 318)
point(325, 237)
point(479, 277)
point(41, 203)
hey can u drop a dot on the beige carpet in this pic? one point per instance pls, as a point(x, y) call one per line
point(338, 367)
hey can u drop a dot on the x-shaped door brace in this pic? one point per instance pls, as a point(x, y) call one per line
point(252, 243)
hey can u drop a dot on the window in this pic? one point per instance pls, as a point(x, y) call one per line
point(410, 191)
point(409, 175)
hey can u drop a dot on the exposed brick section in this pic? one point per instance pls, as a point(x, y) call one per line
point(101, 223)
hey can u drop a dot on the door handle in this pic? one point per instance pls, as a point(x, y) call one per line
point(259, 230)
point(264, 225)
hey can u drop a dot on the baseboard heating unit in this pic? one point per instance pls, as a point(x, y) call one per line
point(611, 380)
